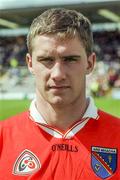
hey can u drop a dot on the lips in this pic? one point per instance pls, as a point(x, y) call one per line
point(59, 87)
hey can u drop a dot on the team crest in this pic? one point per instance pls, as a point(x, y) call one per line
point(104, 161)
point(27, 163)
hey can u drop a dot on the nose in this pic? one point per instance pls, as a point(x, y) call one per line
point(58, 72)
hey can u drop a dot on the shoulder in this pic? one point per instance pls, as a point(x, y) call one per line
point(10, 126)
point(13, 127)
point(107, 118)
point(13, 121)
point(105, 114)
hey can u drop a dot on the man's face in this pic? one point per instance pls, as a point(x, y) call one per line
point(60, 68)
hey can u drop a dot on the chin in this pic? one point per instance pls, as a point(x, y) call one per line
point(58, 101)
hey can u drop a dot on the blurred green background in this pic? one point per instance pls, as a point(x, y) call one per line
point(9, 108)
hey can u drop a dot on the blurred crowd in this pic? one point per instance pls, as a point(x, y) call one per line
point(105, 78)
point(12, 51)
point(107, 46)
point(106, 74)
point(107, 71)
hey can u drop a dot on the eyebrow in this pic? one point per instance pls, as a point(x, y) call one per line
point(72, 56)
point(67, 56)
point(45, 57)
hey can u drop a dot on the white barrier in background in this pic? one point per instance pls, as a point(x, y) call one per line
point(116, 93)
point(7, 96)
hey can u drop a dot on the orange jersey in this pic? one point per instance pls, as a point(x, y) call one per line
point(29, 150)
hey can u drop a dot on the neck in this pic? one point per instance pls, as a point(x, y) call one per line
point(61, 117)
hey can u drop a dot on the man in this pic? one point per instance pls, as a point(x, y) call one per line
point(63, 136)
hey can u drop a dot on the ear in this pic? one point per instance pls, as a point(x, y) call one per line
point(29, 63)
point(91, 63)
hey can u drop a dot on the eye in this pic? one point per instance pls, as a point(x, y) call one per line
point(46, 60)
point(71, 59)
point(42, 59)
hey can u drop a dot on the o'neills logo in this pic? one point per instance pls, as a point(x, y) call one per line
point(26, 163)
point(64, 147)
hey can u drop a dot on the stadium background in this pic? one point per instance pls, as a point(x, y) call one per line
point(16, 83)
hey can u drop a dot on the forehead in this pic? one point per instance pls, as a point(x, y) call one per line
point(53, 43)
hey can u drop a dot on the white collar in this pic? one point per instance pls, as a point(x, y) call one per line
point(91, 112)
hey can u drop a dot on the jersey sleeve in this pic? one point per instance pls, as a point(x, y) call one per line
point(1, 137)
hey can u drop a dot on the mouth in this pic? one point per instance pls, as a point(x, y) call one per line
point(59, 87)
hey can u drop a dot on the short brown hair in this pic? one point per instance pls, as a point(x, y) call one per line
point(62, 21)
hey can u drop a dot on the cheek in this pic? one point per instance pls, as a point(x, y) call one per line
point(78, 71)
point(41, 74)
point(79, 76)
point(37, 69)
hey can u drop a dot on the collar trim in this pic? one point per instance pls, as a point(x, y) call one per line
point(91, 112)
